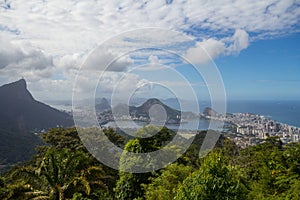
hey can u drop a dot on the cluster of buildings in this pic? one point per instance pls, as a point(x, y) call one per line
point(250, 129)
point(245, 129)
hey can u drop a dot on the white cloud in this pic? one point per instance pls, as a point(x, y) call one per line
point(203, 51)
point(153, 59)
point(43, 38)
point(211, 48)
point(69, 62)
point(102, 59)
point(21, 59)
point(106, 84)
point(240, 41)
point(61, 27)
point(154, 64)
point(9, 53)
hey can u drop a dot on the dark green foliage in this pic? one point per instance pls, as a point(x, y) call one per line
point(165, 185)
point(191, 156)
point(213, 180)
point(59, 171)
point(64, 169)
point(129, 186)
point(63, 138)
point(271, 169)
point(17, 146)
point(3, 189)
point(114, 137)
point(59, 174)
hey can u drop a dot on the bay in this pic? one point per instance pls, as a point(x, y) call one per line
point(194, 124)
point(287, 112)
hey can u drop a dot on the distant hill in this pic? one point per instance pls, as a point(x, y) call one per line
point(210, 112)
point(20, 116)
point(142, 112)
point(21, 112)
point(103, 105)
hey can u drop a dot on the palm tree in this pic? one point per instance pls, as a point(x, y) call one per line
point(60, 174)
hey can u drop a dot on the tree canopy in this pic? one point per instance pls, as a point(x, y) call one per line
point(64, 169)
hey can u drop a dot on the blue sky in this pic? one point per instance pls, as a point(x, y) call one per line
point(254, 44)
point(266, 70)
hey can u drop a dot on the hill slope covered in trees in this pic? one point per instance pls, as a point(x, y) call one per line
point(65, 170)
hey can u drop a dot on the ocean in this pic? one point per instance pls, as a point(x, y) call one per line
point(287, 112)
point(188, 125)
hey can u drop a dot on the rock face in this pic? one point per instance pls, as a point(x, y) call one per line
point(20, 115)
point(21, 112)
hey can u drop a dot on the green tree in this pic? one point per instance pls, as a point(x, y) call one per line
point(165, 185)
point(63, 138)
point(259, 165)
point(129, 185)
point(287, 175)
point(213, 180)
point(62, 173)
point(21, 191)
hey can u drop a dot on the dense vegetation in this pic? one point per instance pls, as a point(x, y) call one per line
point(63, 169)
point(17, 146)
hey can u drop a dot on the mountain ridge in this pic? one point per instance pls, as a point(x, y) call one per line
point(141, 113)
point(20, 111)
point(21, 116)
point(173, 115)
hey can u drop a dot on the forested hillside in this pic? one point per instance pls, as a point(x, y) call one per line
point(63, 169)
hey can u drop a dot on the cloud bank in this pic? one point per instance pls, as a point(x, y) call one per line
point(49, 40)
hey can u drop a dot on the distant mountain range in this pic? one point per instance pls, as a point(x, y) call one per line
point(175, 103)
point(142, 112)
